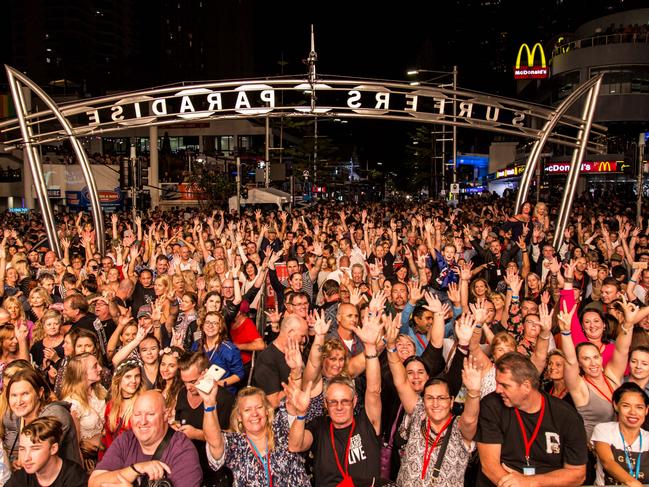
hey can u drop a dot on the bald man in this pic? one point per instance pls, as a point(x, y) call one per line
point(271, 368)
point(130, 456)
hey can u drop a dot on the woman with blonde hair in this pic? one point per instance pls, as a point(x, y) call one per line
point(83, 390)
point(164, 301)
point(13, 345)
point(39, 302)
point(256, 450)
point(17, 316)
point(124, 389)
point(47, 351)
point(190, 280)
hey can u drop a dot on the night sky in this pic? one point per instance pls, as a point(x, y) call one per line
point(248, 38)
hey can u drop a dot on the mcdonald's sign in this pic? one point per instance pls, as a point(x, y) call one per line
point(531, 70)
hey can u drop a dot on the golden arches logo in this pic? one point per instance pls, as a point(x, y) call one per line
point(530, 55)
point(532, 71)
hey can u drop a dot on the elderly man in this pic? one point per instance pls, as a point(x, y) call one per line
point(150, 449)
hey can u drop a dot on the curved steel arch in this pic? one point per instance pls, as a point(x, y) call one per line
point(345, 98)
point(154, 102)
point(15, 78)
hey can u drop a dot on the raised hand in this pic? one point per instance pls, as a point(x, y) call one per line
point(371, 330)
point(416, 293)
point(293, 355)
point(274, 316)
point(592, 270)
point(377, 303)
point(433, 304)
point(545, 318)
point(321, 325)
point(472, 374)
point(355, 296)
point(392, 328)
point(565, 316)
point(453, 293)
point(569, 269)
point(464, 327)
point(465, 271)
point(298, 397)
point(545, 297)
point(479, 312)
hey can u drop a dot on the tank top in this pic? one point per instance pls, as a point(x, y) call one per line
point(597, 410)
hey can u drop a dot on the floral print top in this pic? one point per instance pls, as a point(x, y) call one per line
point(286, 468)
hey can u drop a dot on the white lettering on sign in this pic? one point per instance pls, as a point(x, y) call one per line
point(262, 99)
point(117, 110)
point(353, 100)
point(159, 107)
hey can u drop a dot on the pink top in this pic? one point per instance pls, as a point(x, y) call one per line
point(578, 336)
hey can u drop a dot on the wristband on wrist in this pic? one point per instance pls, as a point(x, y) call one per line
point(300, 417)
point(514, 297)
point(631, 280)
point(132, 467)
point(545, 338)
point(463, 347)
point(473, 396)
point(478, 326)
point(566, 333)
point(209, 409)
point(369, 356)
point(392, 350)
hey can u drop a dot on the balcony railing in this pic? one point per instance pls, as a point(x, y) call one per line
point(602, 40)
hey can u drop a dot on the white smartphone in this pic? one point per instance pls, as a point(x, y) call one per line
point(213, 374)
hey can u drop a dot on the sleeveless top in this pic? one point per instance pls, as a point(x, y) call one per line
point(597, 410)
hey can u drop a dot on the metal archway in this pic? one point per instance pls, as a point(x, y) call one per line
point(27, 129)
point(336, 98)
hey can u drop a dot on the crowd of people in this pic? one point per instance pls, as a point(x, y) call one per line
point(409, 344)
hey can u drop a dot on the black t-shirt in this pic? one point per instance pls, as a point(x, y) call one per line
point(194, 417)
point(270, 370)
point(71, 475)
point(560, 440)
point(141, 296)
point(364, 452)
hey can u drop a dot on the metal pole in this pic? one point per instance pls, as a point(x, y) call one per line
point(575, 165)
point(37, 172)
point(638, 209)
point(444, 160)
point(238, 185)
point(454, 126)
point(267, 155)
point(34, 164)
point(291, 182)
point(546, 131)
point(133, 179)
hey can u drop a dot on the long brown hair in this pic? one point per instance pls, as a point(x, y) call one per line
point(117, 415)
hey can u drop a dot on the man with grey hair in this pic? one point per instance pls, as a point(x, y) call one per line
point(271, 368)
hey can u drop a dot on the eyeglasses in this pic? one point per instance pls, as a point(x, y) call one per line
point(303, 303)
point(333, 403)
point(439, 399)
point(211, 323)
point(227, 287)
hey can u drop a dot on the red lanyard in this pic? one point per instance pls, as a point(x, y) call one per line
point(609, 399)
point(427, 453)
point(349, 442)
point(528, 444)
point(421, 341)
point(264, 465)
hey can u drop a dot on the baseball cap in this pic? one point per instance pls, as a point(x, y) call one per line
point(616, 257)
point(144, 311)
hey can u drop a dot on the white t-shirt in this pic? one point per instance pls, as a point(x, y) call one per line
point(610, 433)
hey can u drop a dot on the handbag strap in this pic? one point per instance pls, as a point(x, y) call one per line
point(442, 451)
point(163, 444)
point(394, 425)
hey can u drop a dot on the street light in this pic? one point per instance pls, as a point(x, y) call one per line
point(442, 74)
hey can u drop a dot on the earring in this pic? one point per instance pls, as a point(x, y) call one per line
point(240, 426)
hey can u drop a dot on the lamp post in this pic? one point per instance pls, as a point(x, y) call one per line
point(441, 75)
